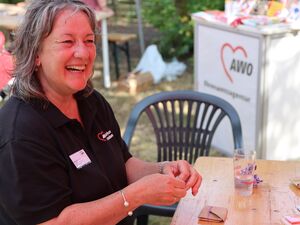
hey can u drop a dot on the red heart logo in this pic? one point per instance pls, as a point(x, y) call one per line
point(99, 136)
point(238, 48)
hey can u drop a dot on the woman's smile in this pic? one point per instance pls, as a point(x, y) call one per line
point(76, 68)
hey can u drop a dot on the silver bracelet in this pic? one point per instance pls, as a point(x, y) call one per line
point(126, 204)
point(161, 166)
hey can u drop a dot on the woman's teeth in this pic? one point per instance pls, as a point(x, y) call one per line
point(76, 68)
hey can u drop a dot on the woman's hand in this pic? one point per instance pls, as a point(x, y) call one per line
point(160, 189)
point(182, 170)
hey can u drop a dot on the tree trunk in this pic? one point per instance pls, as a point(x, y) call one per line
point(181, 7)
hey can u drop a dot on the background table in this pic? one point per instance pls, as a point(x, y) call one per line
point(10, 16)
point(274, 198)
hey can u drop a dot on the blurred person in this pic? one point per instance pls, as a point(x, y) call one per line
point(6, 66)
point(99, 5)
point(62, 158)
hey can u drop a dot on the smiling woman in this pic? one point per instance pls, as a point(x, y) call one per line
point(62, 158)
point(30, 50)
point(69, 54)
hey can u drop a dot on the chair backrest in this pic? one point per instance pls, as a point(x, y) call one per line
point(184, 123)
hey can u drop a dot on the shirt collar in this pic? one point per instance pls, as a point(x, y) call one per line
point(57, 118)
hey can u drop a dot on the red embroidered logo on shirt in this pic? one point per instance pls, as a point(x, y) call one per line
point(105, 135)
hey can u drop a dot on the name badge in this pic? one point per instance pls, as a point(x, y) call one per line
point(80, 159)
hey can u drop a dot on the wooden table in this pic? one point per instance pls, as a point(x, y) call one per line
point(274, 198)
point(11, 16)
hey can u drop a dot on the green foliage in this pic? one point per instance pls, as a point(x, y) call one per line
point(172, 18)
point(11, 1)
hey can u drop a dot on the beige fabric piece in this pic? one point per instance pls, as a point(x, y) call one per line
point(213, 214)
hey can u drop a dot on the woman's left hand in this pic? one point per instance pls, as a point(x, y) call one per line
point(185, 172)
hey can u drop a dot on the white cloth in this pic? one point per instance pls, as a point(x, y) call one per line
point(153, 62)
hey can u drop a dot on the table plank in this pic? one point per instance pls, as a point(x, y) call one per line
point(274, 198)
point(10, 16)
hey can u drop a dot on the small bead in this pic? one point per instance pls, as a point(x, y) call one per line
point(126, 204)
point(130, 213)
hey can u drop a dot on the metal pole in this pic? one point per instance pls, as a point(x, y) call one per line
point(140, 26)
point(106, 75)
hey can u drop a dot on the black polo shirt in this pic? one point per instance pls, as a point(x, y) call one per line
point(48, 161)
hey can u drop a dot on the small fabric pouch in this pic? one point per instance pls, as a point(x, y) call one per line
point(213, 214)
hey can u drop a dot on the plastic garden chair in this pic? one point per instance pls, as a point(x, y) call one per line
point(184, 124)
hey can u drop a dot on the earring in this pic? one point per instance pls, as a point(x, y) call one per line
point(36, 67)
point(37, 64)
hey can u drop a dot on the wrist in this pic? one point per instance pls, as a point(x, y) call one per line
point(135, 193)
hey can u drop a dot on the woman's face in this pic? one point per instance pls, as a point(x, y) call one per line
point(67, 55)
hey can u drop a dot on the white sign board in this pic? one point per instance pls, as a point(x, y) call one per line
point(227, 66)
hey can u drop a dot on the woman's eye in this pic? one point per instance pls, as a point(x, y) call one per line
point(67, 41)
point(90, 41)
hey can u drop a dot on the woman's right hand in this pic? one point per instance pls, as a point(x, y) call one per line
point(160, 189)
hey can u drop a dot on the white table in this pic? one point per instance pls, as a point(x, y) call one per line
point(265, 92)
point(11, 16)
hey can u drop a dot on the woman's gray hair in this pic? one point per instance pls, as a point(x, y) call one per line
point(37, 25)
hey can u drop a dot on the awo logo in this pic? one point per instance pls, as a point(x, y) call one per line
point(105, 135)
point(235, 61)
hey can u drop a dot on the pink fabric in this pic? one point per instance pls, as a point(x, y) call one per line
point(6, 63)
point(96, 4)
point(92, 3)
